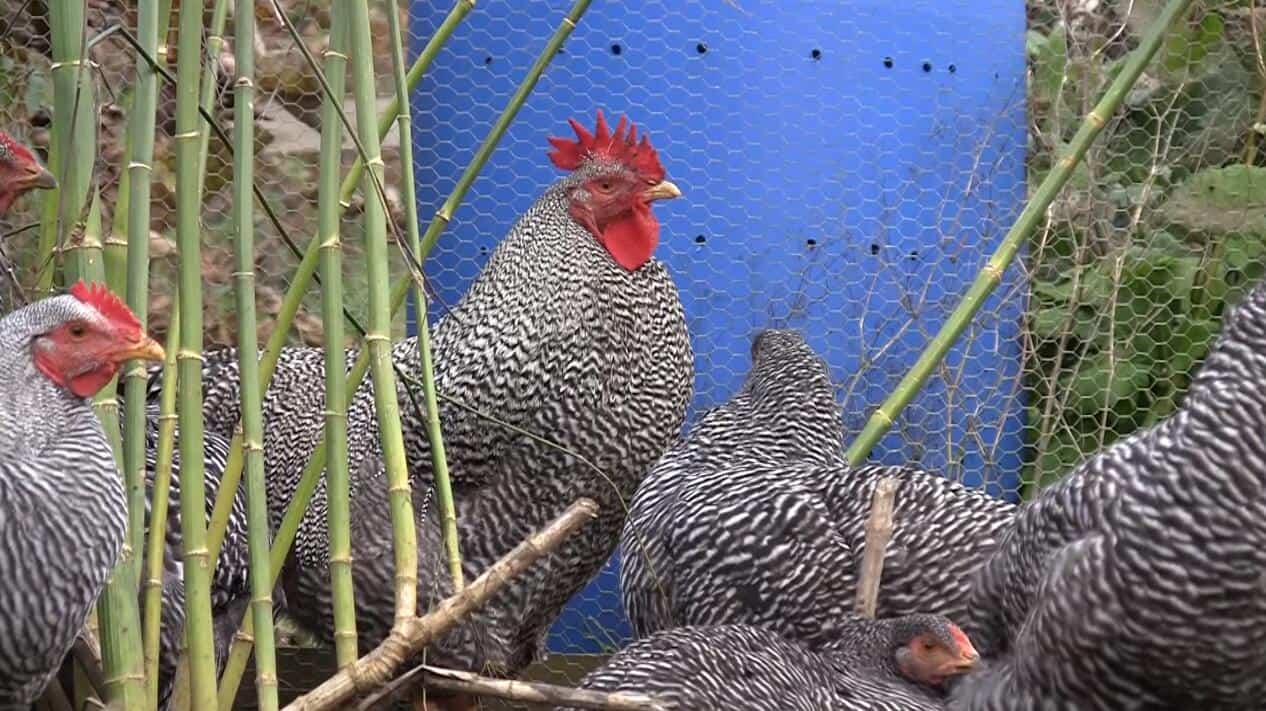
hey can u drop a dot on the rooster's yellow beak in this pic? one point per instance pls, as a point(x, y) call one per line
point(663, 190)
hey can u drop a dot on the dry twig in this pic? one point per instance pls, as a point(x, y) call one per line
point(412, 634)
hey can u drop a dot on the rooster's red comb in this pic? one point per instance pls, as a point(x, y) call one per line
point(617, 146)
point(108, 304)
point(11, 151)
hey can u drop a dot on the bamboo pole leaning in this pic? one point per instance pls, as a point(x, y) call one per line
point(284, 536)
point(991, 275)
point(248, 360)
point(411, 635)
point(439, 461)
point(337, 477)
point(197, 568)
point(378, 339)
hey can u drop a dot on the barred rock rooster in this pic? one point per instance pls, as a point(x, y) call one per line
point(63, 513)
point(1135, 582)
point(755, 518)
point(20, 172)
point(899, 664)
point(572, 338)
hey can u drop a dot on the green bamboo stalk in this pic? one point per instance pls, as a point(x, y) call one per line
point(117, 609)
point(378, 339)
point(156, 545)
point(439, 462)
point(135, 187)
point(248, 361)
point(74, 137)
point(336, 473)
point(991, 275)
point(116, 238)
point(197, 569)
point(308, 265)
point(210, 81)
point(285, 534)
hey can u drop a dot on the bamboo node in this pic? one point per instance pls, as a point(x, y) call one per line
point(139, 164)
point(331, 53)
point(444, 214)
point(341, 559)
point(244, 636)
point(372, 337)
point(1096, 120)
point(345, 634)
point(186, 136)
point(993, 271)
point(245, 83)
point(376, 162)
point(569, 22)
point(399, 488)
point(883, 417)
point(187, 354)
point(331, 413)
point(246, 274)
point(70, 63)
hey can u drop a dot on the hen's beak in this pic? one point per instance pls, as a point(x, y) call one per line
point(144, 349)
point(966, 661)
point(44, 180)
point(663, 190)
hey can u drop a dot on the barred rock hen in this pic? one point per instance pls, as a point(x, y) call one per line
point(1135, 582)
point(572, 334)
point(230, 583)
point(63, 513)
point(898, 664)
point(20, 172)
point(724, 531)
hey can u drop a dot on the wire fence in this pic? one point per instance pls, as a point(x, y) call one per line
point(848, 168)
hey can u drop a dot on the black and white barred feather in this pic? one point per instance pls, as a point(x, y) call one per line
point(1136, 582)
point(230, 584)
point(755, 519)
point(742, 667)
point(562, 375)
point(63, 514)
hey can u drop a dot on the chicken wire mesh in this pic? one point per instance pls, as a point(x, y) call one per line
point(848, 168)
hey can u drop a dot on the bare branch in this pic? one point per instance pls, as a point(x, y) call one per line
point(531, 692)
point(411, 635)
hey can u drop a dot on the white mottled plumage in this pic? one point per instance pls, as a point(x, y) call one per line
point(1135, 582)
point(754, 518)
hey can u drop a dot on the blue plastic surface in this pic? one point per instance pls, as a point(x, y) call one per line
point(847, 169)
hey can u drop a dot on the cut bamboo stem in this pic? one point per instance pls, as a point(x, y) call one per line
point(337, 476)
point(465, 682)
point(878, 533)
point(248, 360)
point(197, 567)
point(411, 635)
point(439, 460)
point(991, 275)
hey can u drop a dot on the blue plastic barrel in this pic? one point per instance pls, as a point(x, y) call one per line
point(848, 167)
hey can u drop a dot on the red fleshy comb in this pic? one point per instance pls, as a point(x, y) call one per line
point(618, 146)
point(108, 304)
point(12, 151)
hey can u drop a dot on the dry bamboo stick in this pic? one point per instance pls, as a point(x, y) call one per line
point(409, 636)
point(878, 533)
point(510, 689)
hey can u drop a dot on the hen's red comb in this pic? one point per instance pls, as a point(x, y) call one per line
point(618, 146)
point(108, 304)
point(12, 151)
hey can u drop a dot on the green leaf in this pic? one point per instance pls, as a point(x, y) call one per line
point(1050, 59)
point(1190, 343)
point(1186, 47)
point(1099, 383)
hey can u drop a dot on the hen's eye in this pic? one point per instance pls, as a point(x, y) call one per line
point(77, 330)
point(605, 186)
